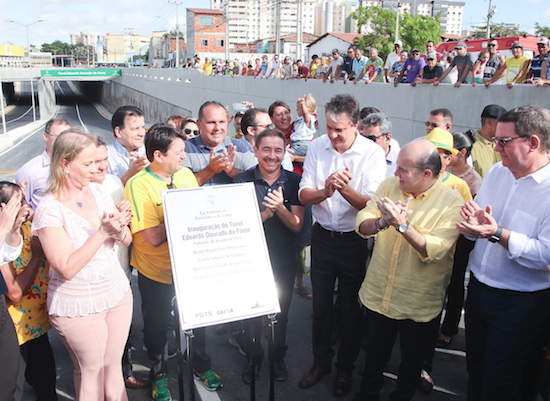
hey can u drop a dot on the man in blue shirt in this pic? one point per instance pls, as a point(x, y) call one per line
point(127, 153)
point(358, 65)
point(212, 156)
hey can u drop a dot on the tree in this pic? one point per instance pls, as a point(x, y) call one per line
point(542, 30)
point(497, 31)
point(380, 23)
point(56, 47)
point(173, 32)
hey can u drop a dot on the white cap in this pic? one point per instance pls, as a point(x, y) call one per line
point(398, 42)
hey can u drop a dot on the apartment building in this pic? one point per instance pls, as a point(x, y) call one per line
point(250, 20)
point(452, 12)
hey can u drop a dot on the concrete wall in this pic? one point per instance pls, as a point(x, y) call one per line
point(157, 107)
point(46, 99)
point(161, 93)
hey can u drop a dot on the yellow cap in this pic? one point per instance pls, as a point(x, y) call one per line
point(442, 140)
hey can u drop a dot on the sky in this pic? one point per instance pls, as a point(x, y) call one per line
point(65, 17)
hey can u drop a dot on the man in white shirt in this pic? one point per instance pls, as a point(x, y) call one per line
point(393, 57)
point(127, 153)
point(36, 171)
point(342, 171)
point(334, 69)
point(508, 303)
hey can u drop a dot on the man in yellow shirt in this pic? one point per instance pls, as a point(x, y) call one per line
point(517, 67)
point(207, 66)
point(165, 148)
point(483, 149)
point(414, 215)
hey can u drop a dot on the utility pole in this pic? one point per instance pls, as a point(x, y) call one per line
point(492, 11)
point(30, 63)
point(130, 30)
point(397, 21)
point(226, 41)
point(278, 27)
point(177, 32)
point(2, 106)
point(299, 31)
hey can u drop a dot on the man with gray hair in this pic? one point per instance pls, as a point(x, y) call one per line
point(508, 305)
point(414, 215)
point(377, 127)
point(342, 170)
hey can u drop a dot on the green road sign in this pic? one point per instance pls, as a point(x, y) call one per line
point(81, 73)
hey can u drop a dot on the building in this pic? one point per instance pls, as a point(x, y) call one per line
point(205, 31)
point(12, 56)
point(170, 50)
point(38, 59)
point(120, 47)
point(452, 12)
point(86, 38)
point(332, 16)
point(96, 41)
point(287, 44)
point(162, 50)
point(324, 44)
point(250, 20)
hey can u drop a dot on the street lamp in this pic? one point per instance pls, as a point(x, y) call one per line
point(30, 64)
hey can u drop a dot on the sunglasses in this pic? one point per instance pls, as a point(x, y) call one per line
point(195, 132)
point(491, 44)
point(374, 137)
point(503, 141)
point(433, 125)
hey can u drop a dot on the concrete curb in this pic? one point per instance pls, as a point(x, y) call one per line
point(14, 136)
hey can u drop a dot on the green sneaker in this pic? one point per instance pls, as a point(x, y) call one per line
point(210, 379)
point(160, 388)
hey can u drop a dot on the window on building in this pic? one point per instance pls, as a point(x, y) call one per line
point(204, 42)
point(206, 20)
point(220, 42)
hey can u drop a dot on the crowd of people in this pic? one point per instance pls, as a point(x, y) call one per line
point(400, 67)
point(393, 228)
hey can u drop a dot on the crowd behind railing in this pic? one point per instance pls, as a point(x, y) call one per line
point(400, 67)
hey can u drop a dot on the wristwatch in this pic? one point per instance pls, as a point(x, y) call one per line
point(403, 227)
point(496, 236)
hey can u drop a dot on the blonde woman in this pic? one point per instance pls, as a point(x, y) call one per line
point(88, 298)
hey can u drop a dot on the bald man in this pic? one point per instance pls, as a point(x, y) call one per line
point(414, 215)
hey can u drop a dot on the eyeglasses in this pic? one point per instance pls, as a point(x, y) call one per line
point(374, 137)
point(491, 44)
point(195, 132)
point(264, 125)
point(433, 125)
point(503, 141)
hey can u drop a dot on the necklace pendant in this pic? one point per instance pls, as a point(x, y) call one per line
point(79, 204)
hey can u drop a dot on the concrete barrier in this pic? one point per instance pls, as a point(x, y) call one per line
point(163, 92)
point(46, 99)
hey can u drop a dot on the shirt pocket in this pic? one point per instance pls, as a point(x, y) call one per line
point(523, 223)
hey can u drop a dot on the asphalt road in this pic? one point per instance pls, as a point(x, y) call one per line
point(450, 368)
point(78, 111)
